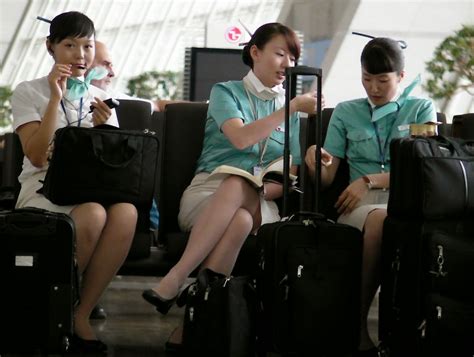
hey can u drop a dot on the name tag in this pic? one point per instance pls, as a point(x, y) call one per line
point(257, 170)
point(403, 127)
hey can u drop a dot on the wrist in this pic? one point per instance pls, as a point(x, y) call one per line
point(369, 183)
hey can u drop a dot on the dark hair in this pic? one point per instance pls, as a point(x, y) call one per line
point(382, 55)
point(70, 24)
point(264, 34)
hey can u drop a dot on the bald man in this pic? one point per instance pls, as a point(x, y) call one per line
point(102, 58)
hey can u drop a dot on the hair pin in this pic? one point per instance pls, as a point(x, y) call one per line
point(43, 19)
point(248, 31)
point(402, 43)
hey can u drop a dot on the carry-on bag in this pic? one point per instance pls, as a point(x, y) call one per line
point(105, 165)
point(431, 178)
point(309, 274)
point(219, 318)
point(426, 302)
point(39, 280)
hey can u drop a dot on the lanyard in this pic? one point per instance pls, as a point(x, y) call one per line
point(79, 113)
point(383, 150)
point(261, 145)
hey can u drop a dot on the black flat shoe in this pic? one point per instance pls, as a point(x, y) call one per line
point(162, 305)
point(80, 345)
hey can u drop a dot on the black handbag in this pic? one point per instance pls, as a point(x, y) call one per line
point(105, 165)
point(220, 315)
point(431, 178)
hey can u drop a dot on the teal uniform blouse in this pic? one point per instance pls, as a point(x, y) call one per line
point(363, 136)
point(230, 100)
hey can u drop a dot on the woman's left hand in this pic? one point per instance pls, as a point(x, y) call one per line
point(101, 112)
point(351, 196)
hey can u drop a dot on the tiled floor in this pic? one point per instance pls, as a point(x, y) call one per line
point(134, 328)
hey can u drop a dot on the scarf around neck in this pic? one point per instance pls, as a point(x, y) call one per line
point(393, 106)
point(77, 87)
point(258, 89)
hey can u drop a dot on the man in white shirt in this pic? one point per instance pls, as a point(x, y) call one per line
point(102, 58)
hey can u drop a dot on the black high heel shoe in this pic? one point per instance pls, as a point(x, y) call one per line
point(162, 305)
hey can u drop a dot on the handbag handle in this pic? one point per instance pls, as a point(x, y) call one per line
point(459, 148)
point(128, 146)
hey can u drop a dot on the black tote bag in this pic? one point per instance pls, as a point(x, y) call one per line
point(220, 316)
point(431, 178)
point(105, 165)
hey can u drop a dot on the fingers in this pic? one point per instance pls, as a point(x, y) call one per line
point(101, 112)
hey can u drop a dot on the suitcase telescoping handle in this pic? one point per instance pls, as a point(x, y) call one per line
point(291, 74)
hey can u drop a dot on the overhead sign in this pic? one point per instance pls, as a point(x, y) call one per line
point(226, 35)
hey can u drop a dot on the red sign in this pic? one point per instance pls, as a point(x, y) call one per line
point(233, 34)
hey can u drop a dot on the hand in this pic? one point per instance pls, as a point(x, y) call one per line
point(101, 112)
point(307, 102)
point(57, 79)
point(310, 158)
point(351, 196)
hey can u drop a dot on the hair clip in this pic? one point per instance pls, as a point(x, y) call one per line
point(401, 43)
point(248, 31)
point(43, 19)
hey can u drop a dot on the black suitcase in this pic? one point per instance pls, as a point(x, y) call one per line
point(426, 302)
point(308, 279)
point(39, 280)
point(431, 177)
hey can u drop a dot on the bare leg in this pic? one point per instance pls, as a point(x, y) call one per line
point(373, 230)
point(222, 258)
point(106, 257)
point(212, 229)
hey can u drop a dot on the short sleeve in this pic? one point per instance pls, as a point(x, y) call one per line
point(335, 142)
point(23, 106)
point(223, 104)
point(427, 112)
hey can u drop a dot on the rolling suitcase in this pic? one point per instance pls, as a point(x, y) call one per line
point(426, 303)
point(38, 278)
point(308, 280)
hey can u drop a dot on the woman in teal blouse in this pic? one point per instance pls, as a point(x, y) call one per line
point(244, 128)
point(360, 131)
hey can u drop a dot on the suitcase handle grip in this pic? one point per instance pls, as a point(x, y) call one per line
point(309, 214)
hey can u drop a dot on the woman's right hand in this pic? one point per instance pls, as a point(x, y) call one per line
point(57, 79)
point(310, 158)
point(307, 102)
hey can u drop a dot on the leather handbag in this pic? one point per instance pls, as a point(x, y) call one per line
point(103, 164)
point(219, 316)
point(431, 178)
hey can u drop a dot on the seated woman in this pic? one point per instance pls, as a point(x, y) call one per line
point(40, 106)
point(244, 128)
point(361, 130)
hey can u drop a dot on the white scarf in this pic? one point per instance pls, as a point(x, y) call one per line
point(258, 89)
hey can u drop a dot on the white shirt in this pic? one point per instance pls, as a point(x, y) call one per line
point(29, 102)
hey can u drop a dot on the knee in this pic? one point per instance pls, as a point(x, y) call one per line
point(244, 220)
point(89, 219)
point(373, 228)
point(122, 215)
point(126, 211)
